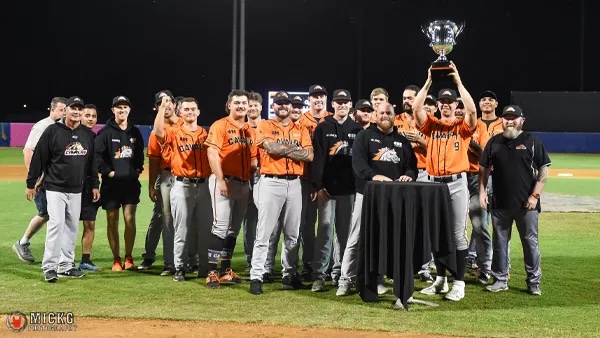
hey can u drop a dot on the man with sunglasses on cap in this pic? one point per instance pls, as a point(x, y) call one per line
point(520, 172)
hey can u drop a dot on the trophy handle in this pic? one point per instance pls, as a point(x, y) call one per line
point(424, 30)
point(461, 27)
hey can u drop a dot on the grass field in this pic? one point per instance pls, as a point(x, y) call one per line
point(571, 286)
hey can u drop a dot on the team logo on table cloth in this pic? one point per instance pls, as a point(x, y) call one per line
point(124, 152)
point(387, 155)
point(340, 147)
point(75, 149)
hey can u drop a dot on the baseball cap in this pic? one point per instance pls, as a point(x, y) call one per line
point(512, 110)
point(488, 93)
point(158, 96)
point(297, 101)
point(447, 93)
point(317, 89)
point(120, 99)
point(75, 101)
point(282, 97)
point(364, 104)
point(431, 98)
point(342, 95)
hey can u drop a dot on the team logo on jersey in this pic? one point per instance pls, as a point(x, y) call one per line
point(444, 135)
point(331, 135)
point(288, 141)
point(340, 148)
point(387, 155)
point(75, 149)
point(190, 146)
point(124, 152)
point(240, 139)
point(397, 144)
point(351, 136)
point(521, 147)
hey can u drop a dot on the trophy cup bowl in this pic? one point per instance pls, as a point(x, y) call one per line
point(442, 36)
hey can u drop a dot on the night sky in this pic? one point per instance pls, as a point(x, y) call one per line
point(100, 49)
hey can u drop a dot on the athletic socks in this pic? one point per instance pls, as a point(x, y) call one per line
point(461, 264)
point(85, 258)
point(226, 256)
point(215, 247)
point(24, 240)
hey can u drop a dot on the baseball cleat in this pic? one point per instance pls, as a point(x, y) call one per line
point(50, 276)
point(146, 265)
point(534, 290)
point(439, 286)
point(497, 287)
point(73, 273)
point(229, 277)
point(129, 263)
point(88, 266)
point(117, 266)
point(179, 276)
point(256, 287)
point(22, 250)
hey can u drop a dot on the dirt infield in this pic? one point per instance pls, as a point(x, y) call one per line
point(93, 327)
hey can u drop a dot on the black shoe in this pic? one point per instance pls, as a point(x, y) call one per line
point(50, 276)
point(73, 273)
point(268, 278)
point(146, 264)
point(179, 276)
point(291, 283)
point(169, 270)
point(306, 275)
point(256, 287)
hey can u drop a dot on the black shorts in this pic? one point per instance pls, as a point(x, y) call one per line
point(89, 209)
point(116, 193)
point(40, 203)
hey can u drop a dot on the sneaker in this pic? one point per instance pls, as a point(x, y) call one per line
point(129, 263)
point(318, 286)
point(382, 289)
point(497, 287)
point(343, 290)
point(256, 287)
point(146, 264)
point(426, 277)
point(229, 277)
point(335, 281)
point(457, 292)
point(432, 266)
point(22, 250)
point(306, 275)
point(88, 266)
point(268, 277)
point(471, 264)
point(439, 286)
point(212, 280)
point(179, 276)
point(73, 273)
point(534, 290)
point(167, 271)
point(50, 276)
point(117, 266)
point(291, 283)
point(484, 278)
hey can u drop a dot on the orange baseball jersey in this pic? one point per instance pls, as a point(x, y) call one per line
point(188, 153)
point(309, 121)
point(447, 146)
point(485, 130)
point(273, 131)
point(157, 152)
point(402, 123)
point(237, 147)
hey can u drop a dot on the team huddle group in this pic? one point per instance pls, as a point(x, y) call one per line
point(282, 176)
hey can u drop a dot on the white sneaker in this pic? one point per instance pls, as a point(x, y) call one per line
point(343, 290)
point(457, 292)
point(439, 286)
point(382, 289)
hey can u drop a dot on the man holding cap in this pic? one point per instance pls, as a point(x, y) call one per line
point(520, 172)
point(65, 154)
point(120, 155)
point(362, 113)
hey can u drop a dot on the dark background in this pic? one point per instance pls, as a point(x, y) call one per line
point(100, 49)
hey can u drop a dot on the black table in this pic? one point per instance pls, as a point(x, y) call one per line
point(402, 224)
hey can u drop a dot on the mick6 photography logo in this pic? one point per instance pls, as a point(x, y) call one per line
point(41, 321)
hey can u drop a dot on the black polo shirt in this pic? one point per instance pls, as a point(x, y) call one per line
point(515, 165)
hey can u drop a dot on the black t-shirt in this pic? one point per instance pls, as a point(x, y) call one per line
point(515, 164)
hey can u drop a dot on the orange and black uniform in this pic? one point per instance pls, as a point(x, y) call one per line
point(402, 123)
point(273, 131)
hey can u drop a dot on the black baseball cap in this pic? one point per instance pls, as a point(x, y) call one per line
point(512, 110)
point(431, 98)
point(364, 104)
point(75, 101)
point(488, 93)
point(120, 99)
point(341, 95)
point(282, 97)
point(447, 93)
point(317, 89)
point(297, 101)
point(158, 96)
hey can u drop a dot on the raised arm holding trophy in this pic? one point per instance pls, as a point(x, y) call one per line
point(442, 36)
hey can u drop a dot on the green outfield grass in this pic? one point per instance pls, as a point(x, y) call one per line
point(571, 286)
point(575, 161)
point(573, 186)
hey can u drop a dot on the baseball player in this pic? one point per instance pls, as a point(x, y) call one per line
point(189, 196)
point(251, 218)
point(331, 173)
point(284, 147)
point(232, 156)
point(317, 97)
point(64, 147)
point(21, 247)
point(159, 188)
point(362, 113)
point(120, 154)
point(520, 172)
point(378, 95)
point(89, 207)
point(379, 153)
point(447, 162)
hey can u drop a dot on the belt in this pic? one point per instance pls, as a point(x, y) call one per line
point(421, 170)
point(282, 177)
point(194, 180)
point(235, 178)
point(167, 169)
point(446, 179)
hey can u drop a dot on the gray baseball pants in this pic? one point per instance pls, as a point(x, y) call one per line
point(459, 197)
point(228, 211)
point(481, 238)
point(273, 244)
point(250, 220)
point(161, 221)
point(61, 231)
point(527, 225)
point(277, 198)
point(350, 256)
point(422, 176)
point(307, 225)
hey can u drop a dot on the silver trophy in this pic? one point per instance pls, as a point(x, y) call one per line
point(442, 36)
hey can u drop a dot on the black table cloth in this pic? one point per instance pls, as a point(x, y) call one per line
point(402, 224)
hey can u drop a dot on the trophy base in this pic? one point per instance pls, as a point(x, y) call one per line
point(440, 71)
